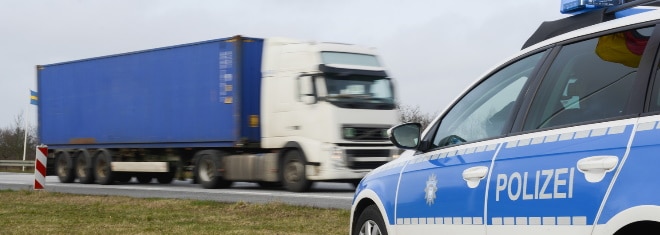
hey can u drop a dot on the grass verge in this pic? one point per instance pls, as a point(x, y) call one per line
point(41, 212)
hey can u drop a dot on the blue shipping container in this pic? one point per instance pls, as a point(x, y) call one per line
point(201, 94)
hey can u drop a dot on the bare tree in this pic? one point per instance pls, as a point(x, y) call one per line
point(409, 113)
point(13, 139)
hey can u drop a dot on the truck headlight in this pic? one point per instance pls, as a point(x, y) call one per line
point(336, 154)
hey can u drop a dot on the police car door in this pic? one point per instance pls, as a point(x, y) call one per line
point(553, 179)
point(443, 189)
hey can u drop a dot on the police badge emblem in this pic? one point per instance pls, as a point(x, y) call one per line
point(431, 188)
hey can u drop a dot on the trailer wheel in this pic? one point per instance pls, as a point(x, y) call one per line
point(270, 185)
point(84, 167)
point(102, 167)
point(144, 178)
point(122, 177)
point(65, 168)
point(293, 170)
point(167, 177)
point(209, 169)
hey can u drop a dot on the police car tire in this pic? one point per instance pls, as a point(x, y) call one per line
point(65, 167)
point(370, 215)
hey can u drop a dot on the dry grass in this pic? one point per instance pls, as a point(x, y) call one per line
point(40, 212)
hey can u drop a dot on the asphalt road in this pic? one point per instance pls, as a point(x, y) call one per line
point(323, 195)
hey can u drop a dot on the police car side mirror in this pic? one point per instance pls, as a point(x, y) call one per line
point(405, 136)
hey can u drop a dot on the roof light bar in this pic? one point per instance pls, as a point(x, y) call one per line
point(579, 6)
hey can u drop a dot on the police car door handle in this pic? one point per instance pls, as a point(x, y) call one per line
point(595, 168)
point(474, 175)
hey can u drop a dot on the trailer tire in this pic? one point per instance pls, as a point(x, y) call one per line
point(294, 175)
point(144, 178)
point(269, 185)
point(167, 177)
point(209, 169)
point(102, 167)
point(122, 177)
point(84, 167)
point(65, 167)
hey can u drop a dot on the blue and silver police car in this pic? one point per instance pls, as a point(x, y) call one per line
point(562, 138)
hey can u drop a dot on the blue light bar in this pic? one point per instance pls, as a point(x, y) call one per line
point(580, 6)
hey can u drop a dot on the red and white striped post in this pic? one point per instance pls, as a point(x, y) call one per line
point(40, 167)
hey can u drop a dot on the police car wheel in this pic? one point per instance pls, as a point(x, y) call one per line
point(370, 222)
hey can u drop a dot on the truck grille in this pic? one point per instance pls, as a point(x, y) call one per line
point(364, 133)
point(367, 158)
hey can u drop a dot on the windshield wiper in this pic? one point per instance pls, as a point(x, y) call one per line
point(362, 96)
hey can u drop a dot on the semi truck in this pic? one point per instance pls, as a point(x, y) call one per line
point(275, 111)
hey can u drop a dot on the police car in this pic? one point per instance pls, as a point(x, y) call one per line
point(563, 138)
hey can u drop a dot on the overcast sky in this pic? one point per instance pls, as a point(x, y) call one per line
point(433, 49)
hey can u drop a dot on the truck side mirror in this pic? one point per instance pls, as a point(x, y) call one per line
point(306, 89)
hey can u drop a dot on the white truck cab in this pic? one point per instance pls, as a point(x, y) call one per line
point(333, 102)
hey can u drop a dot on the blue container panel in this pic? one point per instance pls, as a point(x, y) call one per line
point(251, 87)
point(167, 95)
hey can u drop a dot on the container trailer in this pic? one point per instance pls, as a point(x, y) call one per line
point(275, 111)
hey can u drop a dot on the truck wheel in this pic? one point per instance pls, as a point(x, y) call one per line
point(102, 167)
point(65, 168)
point(293, 173)
point(370, 221)
point(84, 168)
point(144, 178)
point(209, 170)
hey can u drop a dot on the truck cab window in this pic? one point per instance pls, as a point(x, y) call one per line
point(589, 80)
point(358, 91)
point(484, 111)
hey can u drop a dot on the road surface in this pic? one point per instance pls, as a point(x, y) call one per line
point(323, 195)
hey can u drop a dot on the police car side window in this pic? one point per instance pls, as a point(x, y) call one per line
point(655, 95)
point(589, 80)
point(482, 113)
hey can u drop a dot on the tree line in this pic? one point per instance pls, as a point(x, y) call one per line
point(408, 113)
point(13, 140)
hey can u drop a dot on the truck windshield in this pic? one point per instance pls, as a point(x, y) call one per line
point(358, 91)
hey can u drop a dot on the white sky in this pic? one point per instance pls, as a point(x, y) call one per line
point(433, 48)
